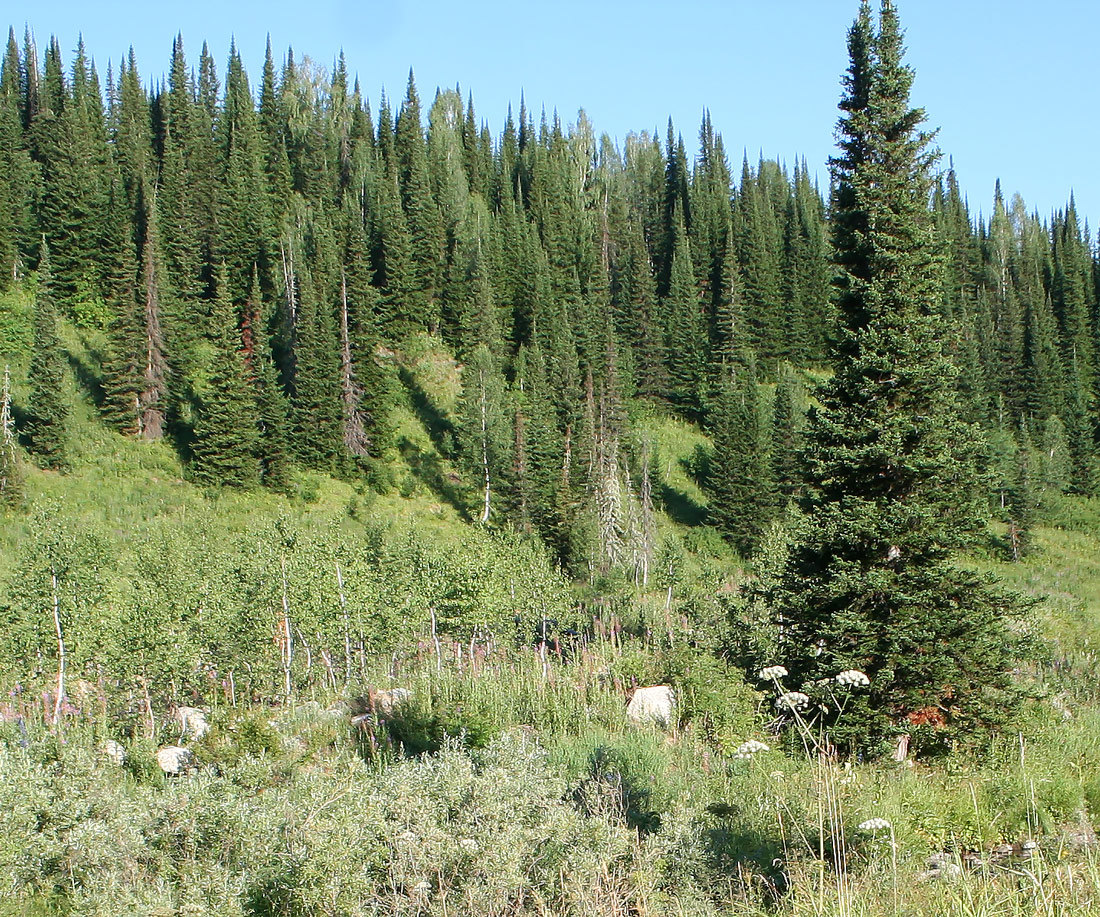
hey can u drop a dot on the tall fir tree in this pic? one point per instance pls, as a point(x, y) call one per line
point(737, 482)
point(869, 582)
point(425, 225)
point(685, 331)
point(317, 426)
point(48, 404)
point(224, 450)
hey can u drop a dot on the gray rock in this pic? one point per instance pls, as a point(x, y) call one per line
point(115, 753)
point(175, 759)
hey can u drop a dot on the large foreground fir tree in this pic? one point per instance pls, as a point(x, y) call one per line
point(890, 491)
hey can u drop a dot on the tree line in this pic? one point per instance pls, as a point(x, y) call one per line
point(255, 259)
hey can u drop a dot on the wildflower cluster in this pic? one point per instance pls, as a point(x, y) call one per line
point(792, 700)
point(853, 678)
point(773, 673)
point(747, 749)
point(875, 824)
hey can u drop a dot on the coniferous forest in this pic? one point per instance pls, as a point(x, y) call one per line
point(402, 442)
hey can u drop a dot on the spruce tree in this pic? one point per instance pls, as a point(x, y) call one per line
point(122, 363)
point(225, 444)
point(685, 333)
point(317, 421)
point(869, 582)
point(425, 224)
point(49, 408)
point(737, 480)
point(785, 437)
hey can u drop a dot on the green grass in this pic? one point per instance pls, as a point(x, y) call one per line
point(536, 795)
point(569, 808)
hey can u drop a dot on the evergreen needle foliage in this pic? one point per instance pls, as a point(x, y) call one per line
point(891, 489)
point(49, 407)
point(226, 435)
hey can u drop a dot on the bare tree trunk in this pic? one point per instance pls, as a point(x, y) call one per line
point(648, 535)
point(355, 434)
point(61, 656)
point(289, 281)
point(347, 626)
point(309, 660)
point(288, 636)
point(438, 647)
point(150, 720)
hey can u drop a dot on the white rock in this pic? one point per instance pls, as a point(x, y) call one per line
point(655, 704)
point(114, 752)
point(175, 759)
point(387, 702)
point(192, 722)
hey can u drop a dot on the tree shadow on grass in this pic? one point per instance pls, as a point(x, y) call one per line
point(682, 508)
point(427, 467)
point(439, 427)
point(88, 377)
point(758, 858)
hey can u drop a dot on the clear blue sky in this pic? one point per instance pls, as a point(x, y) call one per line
point(1010, 84)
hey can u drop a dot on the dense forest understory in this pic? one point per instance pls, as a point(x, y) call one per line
point(303, 404)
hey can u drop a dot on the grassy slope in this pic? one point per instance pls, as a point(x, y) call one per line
point(710, 825)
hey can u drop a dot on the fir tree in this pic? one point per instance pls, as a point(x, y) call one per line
point(122, 364)
point(48, 405)
point(869, 582)
point(272, 410)
point(225, 443)
point(316, 412)
point(785, 437)
point(737, 479)
point(425, 225)
point(685, 332)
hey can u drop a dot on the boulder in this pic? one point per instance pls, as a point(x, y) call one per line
point(115, 752)
point(655, 704)
point(175, 759)
point(193, 724)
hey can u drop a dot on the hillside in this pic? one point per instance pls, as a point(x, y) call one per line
point(564, 805)
point(397, 518)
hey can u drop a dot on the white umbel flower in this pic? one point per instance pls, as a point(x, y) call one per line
point(747, 749)
point(773, 673)
point(853, 678)
point(792, 700)
point(875, 824)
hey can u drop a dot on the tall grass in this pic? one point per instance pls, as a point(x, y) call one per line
point(541, 799)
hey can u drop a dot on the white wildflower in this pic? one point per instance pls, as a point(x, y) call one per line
point(874, 824)
point(468, 844)
point(773, 673)
point(422, 888)
point(792, 700)
point(853, 678)
point(407, 837)
point(747, 749)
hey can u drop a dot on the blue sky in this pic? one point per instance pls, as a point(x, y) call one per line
point(1008, 83)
